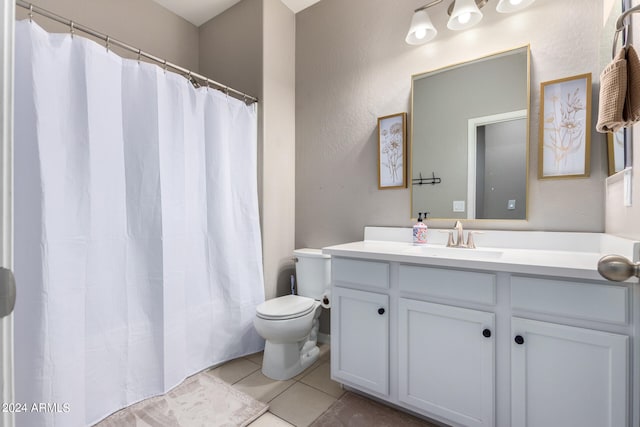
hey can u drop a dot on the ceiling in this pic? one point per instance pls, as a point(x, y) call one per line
point(200, 11)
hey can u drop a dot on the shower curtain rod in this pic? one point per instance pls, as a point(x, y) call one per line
point(190, 75)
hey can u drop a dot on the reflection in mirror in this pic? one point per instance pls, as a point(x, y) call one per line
point(470, 128)
point(497, 156)
point(615, 150)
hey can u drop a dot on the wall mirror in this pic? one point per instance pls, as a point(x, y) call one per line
point(470, 138)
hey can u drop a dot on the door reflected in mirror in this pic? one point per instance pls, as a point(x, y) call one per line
point(497, 157)
point(470, 128)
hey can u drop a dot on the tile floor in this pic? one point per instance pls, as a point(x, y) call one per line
point(295, 402)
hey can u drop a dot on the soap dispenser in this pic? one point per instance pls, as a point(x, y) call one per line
point(420, 230)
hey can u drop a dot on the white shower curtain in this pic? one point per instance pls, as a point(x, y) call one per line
point(138, 248)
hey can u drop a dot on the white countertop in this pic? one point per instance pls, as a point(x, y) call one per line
point(543, 259)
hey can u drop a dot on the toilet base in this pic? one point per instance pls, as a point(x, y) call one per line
point(283, 361)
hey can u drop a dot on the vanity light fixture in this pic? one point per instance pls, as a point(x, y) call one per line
point(463, 14)
point(421, 29)
point(508, 6)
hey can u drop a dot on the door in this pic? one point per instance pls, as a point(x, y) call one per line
point(7, 17)
point(360, 339)
point(567, 376)
point(446, 364)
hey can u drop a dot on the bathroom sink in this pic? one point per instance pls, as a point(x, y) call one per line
point(458, 253)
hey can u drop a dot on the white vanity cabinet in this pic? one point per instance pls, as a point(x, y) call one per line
point(482, 347)
point(360, 355)
point(446, 361)
point(567, 376)
point(360, 348)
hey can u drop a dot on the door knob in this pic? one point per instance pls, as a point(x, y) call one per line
point(486, 333)
point(381, 311)
point(617, 268)
point(519, 339)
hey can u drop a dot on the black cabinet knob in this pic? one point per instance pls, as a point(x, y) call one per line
point(519, 339)
point(486, 333)
point(381, 311)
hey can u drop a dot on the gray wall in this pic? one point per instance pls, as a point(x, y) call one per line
point(353, 66)
point(141, 23)
point(251, 47)
point(231, 47)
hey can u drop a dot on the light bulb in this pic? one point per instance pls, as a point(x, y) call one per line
point(420, 33)
point(509, 6)
point(464, 17)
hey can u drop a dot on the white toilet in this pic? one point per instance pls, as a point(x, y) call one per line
point(289, 324)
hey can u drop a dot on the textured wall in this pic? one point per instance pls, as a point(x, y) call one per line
point(143, 24)
point(231, 47)
point(251, 47)
point(352, 66)
point(278, 177)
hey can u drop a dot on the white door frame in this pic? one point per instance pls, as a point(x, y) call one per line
point(472, 148)
point(7, 19)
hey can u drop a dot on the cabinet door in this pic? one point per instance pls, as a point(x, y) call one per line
point(446, 364)
point(360, 339)
point(567, 376)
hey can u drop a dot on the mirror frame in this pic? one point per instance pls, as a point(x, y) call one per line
point(414, 77)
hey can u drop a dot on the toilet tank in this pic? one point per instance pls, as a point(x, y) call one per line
point(313, 272)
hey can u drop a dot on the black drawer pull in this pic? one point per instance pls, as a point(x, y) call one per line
point(486, 333)
point(519, 339)
point(381, 311)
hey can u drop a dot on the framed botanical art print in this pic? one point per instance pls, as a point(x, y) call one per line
point(392, 151)
point(565, 128)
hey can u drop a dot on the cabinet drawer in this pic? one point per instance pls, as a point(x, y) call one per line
point(367, 273)
point(454, 284)
point(604, 303)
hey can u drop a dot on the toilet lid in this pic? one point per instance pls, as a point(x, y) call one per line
point(286, 307)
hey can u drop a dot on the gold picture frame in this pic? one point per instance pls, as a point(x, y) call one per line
point(615, 150)
point(392, 151)
point(564, 148)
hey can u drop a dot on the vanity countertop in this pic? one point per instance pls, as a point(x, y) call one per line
point(508, 252)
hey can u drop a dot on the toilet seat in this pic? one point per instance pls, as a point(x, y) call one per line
point(286, 307)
